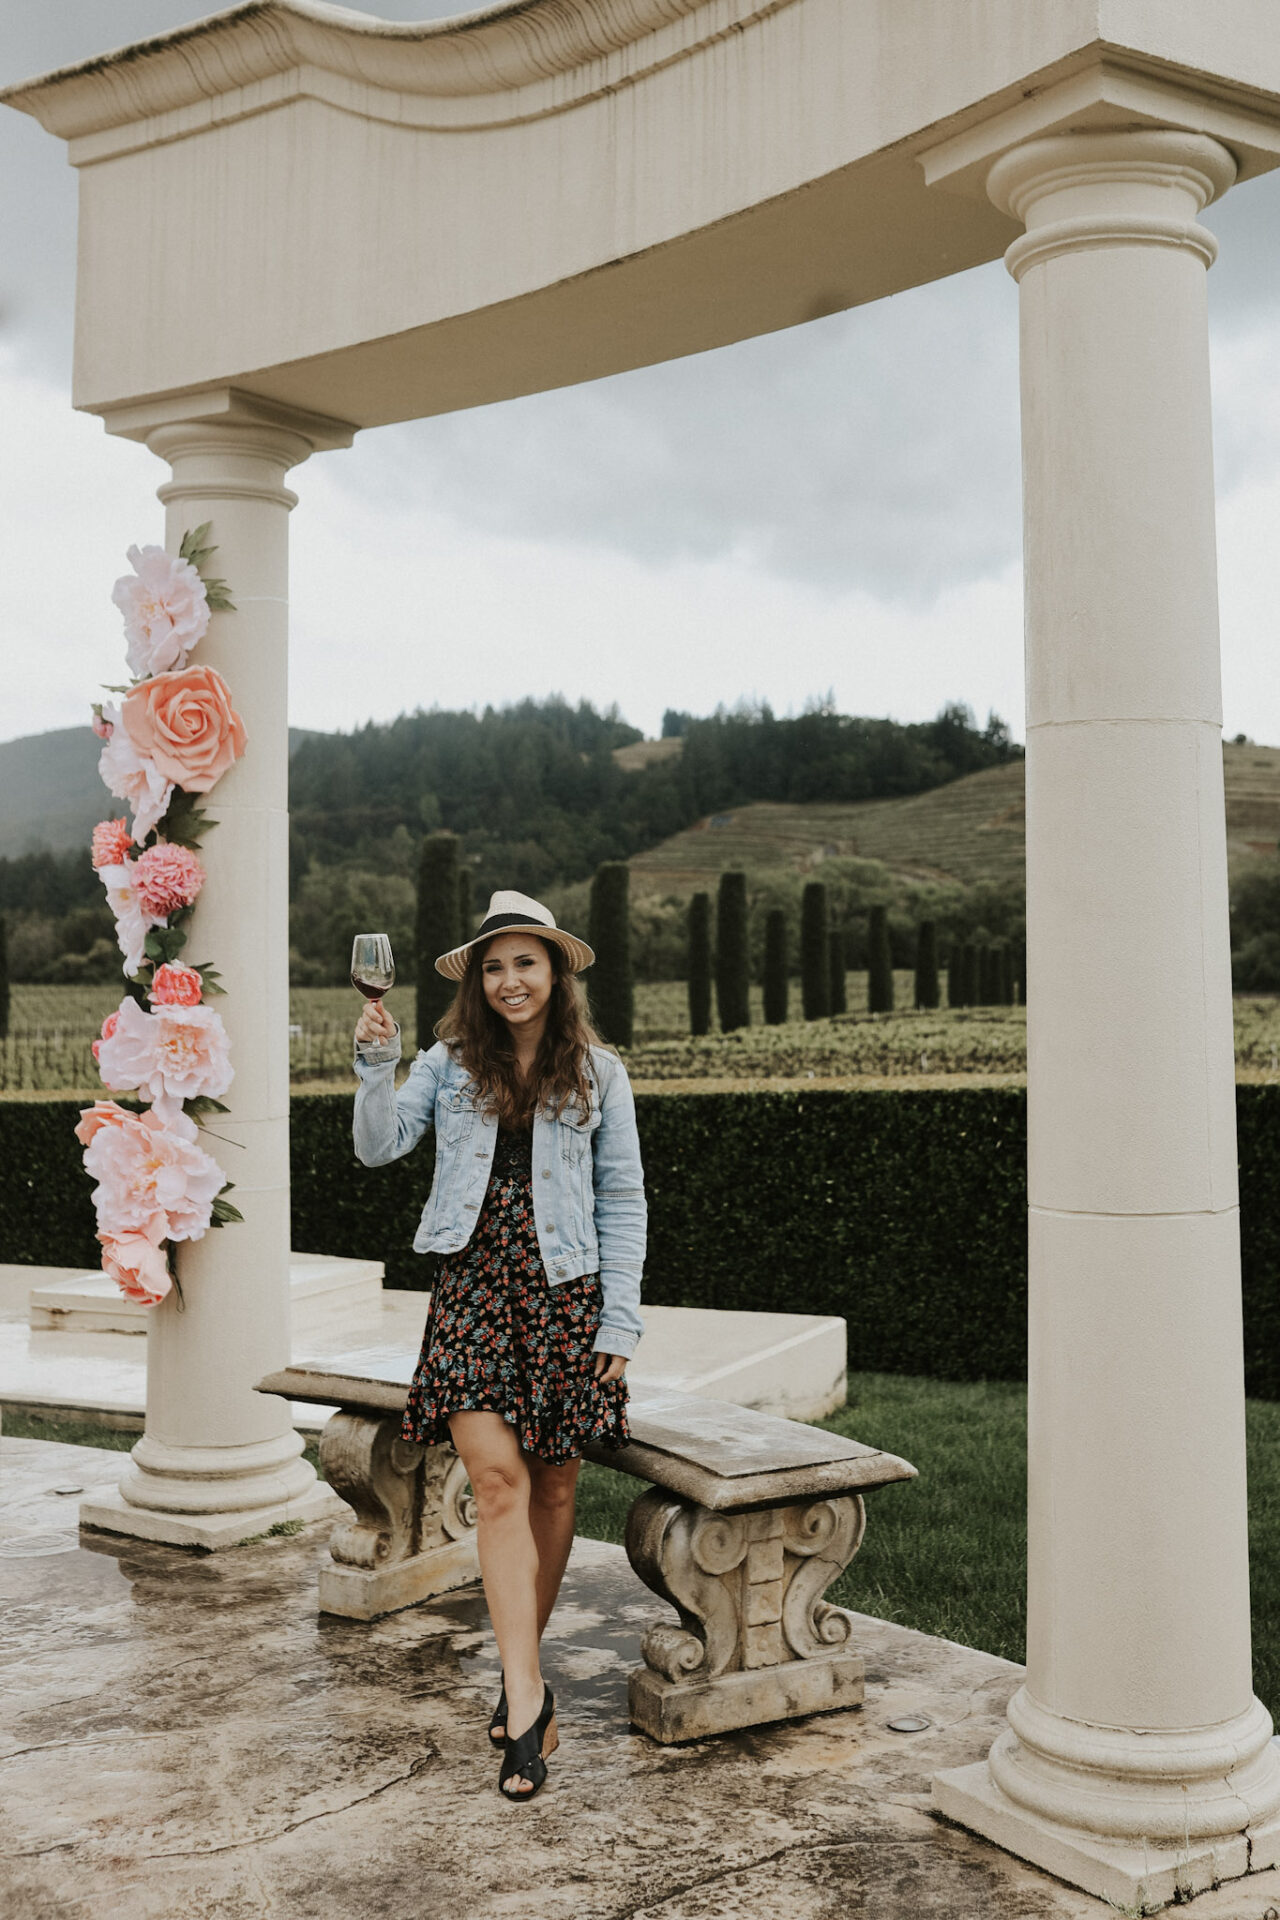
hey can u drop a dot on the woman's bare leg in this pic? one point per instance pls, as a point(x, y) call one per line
point(500, 1480)
point(551, 1501)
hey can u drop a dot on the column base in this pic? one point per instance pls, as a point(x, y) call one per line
point(670, 1710)
point(1137, 1876)
point(111, 1513)
point(365, 1593)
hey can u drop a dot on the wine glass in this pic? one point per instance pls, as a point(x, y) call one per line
point(373, 971)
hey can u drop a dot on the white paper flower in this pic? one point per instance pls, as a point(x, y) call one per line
point(134, 777)
point(171, 1054)
point(133, 922)
point(165, 608)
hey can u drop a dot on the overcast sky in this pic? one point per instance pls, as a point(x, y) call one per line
point(830, 508)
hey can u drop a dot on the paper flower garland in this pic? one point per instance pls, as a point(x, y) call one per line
point(173, 735)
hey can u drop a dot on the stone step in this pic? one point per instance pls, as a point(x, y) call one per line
point(321, 1286)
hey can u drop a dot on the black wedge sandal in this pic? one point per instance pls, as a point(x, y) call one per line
point(526, 1755)
point(499, 1719)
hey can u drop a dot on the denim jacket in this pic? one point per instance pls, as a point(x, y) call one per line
point(588, 1184)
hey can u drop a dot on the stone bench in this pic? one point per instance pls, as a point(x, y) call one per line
point(746, 1522)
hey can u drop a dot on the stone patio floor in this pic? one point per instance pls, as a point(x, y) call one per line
point(184, 1738)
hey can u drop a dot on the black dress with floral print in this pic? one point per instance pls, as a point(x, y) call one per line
point(500, 1338)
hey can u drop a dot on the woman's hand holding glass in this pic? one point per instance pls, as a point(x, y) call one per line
point(375, 1026)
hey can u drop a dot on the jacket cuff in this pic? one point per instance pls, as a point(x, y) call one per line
point(616, 1340)
point(378, 1053)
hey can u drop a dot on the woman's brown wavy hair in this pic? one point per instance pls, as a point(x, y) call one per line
point(481, 1040)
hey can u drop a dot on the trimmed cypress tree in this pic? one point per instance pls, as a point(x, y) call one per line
point(1006, 974)
point(610, 983)
point(1020, 975)
point(927, 990)
point(466, 903)
point(970, 974)
point(733, 1000)
point(4, 977)
point(775, 967)
point(436, 928)
point(988, 976)
point(955, 976)
point(879, 963)
point(815, 952)
point(699, 963)
point(839, 985)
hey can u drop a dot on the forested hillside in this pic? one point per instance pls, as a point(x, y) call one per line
point(538, 793)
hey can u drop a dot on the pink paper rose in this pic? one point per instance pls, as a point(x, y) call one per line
point(166, 879)
point(176, 986)
point(138, 1267)
point(133, 922)
point(151, 1179)
point(175, 1053)
point(165, 608)
point(185, 725)
point(109, 1026)
point(133, 777)
point(111, 843)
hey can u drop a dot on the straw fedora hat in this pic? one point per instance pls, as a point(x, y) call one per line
point(515, 913)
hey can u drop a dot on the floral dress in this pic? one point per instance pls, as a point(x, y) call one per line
point(500, 1338)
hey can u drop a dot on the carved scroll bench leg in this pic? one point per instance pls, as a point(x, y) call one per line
point(412, 1531)
point(756, 1640)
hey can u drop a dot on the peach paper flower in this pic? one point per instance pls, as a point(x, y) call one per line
point(111, 843)
point(103, 1113)
point(151, 1180)
point(109, 1026)
point(176, 986)
point(138, 1267)
point(133, 922)
point(173, 1054)
point(185, 725)
point(166, 878)
point(165, 608)
point(134, 777)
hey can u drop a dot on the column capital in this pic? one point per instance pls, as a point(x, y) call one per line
point(225, 406)
point(1138, 187)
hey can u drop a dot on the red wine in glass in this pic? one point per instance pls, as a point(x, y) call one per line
point(373, 971)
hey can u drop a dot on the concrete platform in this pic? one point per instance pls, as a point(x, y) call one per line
point(785, 1363)
point(185, 1736)
point(88, 1302)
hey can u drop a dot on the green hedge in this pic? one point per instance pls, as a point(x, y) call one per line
point(904, 1212)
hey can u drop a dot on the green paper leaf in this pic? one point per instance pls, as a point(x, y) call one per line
point(193, 539)
point(202, 1104)
point(153, 945)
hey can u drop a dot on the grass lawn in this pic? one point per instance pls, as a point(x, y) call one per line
point(945, 1553)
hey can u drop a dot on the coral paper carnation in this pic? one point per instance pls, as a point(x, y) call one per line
point(175, 986)
point(138, 1267)
point(185, 725)
point(166, 878)
point(111, 843)
point(165, 608)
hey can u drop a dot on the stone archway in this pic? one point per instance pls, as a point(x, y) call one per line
point(355, 223)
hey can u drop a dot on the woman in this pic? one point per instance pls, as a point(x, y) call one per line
point(538, 1208)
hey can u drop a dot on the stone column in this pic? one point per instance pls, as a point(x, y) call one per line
point(219, 1462)
point(1137, 1762)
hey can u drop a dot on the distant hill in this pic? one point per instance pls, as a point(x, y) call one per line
point(972, 829)
point(50, 793)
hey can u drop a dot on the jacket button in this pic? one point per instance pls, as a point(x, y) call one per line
point(546, 1173)
point(551, 1226)
point(559, 1273)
